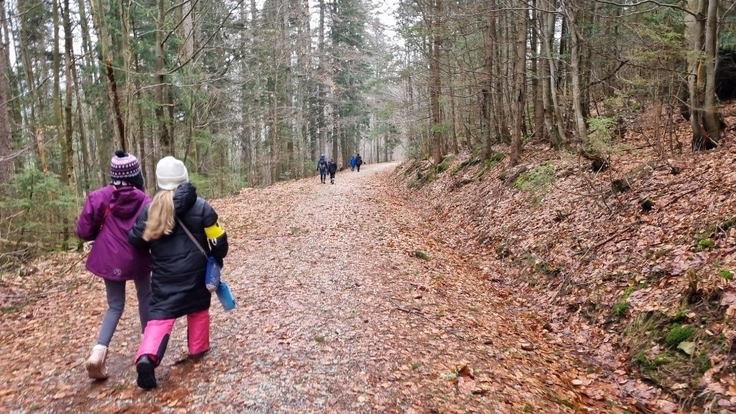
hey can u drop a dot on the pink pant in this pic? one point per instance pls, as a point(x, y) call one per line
point(156, 336)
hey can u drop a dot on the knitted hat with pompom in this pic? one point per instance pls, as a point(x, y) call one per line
point(125, 167)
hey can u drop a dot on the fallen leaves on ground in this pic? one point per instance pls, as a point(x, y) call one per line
point(589, 260)
point(336, 313)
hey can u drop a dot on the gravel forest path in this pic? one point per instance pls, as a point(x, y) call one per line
point(346, 304)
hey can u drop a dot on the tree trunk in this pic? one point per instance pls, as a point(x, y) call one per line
point(308, 138)
point(436, 83)
point(499, 119)
point(144, 155)
point(536, 69)
point(6, 150)
point(58, 120)
point(553, 116)
point(575, 75)
point(105, 141)
point(564, 47)
point(519, 83)
point(98, 13)
point(167, 146)
point(86, 38)
point(127, 89)
point(711, 116)
point(694, 34)
point(321, 78)
point(83, 136)
point(187, 11)
point(336, 138)
point(68, 146)
point(15, 108)
point(453, 147)
point(59, 127)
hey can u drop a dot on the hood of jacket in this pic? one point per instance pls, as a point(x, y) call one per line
point(126, 202)
point(185, 196)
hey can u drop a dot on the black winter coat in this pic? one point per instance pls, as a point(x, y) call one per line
point(178, 266)
point(332, 167)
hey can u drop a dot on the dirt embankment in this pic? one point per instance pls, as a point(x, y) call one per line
point(632, 266)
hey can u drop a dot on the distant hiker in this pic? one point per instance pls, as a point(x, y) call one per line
point(178, 280)
point(358, 161)
point(107, 215)
point(352, 163)
point(322, 168)
point(332, 168)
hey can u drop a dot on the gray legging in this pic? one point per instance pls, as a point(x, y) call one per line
point(116, 304)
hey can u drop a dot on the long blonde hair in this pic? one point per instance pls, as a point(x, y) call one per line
point(160, 216)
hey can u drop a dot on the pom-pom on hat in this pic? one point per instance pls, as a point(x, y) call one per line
point(124, 166)
point(170, 172)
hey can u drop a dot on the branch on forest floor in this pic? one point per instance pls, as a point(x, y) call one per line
point(419, 313)
point(600, 244)
point(677, 197)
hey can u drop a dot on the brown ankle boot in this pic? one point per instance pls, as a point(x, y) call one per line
point(96, 363)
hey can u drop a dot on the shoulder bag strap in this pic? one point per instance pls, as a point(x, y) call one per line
point(191, 236)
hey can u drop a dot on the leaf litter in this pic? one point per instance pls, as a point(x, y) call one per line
point(365, 296)
point(336, 313)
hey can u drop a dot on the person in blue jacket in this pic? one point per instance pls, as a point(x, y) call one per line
point(352, 163)
point(322, 168)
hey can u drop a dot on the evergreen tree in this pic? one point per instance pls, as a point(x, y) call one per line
point(351, 70)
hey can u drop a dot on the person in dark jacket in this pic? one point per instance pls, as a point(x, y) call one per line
point(178, 280)
point(358, 161)
point(107, 215)
point(332, 169)
point(322, 168)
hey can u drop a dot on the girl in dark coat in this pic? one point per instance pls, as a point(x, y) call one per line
point(177, 283)
point(332, 169)
point(107, 215)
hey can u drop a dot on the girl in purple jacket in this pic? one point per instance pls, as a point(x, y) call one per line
point(106, 218)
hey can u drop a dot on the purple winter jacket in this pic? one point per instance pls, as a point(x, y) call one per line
point(112, 257)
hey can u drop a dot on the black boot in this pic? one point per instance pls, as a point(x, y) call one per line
point(146, 373)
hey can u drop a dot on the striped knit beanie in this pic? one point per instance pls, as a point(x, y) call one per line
point(125, 167)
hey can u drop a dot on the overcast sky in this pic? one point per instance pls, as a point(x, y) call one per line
point(386, 10)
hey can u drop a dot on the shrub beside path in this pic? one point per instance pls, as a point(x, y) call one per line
point(345, 305)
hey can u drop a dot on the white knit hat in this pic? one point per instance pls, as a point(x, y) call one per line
point(170, 172)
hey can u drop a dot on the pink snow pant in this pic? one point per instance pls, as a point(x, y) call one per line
point(156, 336)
